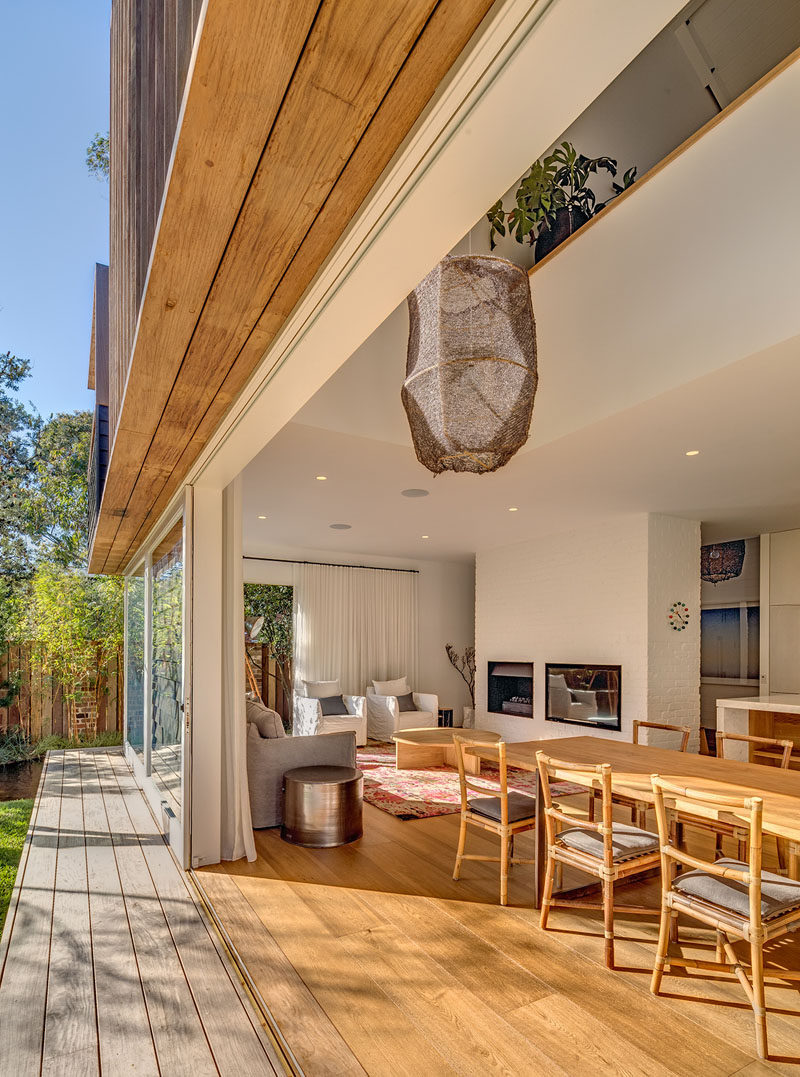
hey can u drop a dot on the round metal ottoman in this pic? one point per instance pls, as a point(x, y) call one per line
point(322, 806)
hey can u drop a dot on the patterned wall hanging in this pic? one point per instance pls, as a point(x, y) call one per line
point(722, 561)
point(471, 368)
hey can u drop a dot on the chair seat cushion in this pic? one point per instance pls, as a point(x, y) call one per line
point(778, 895)
point(627, 841)
point(519, 807)
point(406, 702)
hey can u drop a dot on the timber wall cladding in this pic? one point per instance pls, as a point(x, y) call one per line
point(293, 111)
point(40, 708)
point(151, 47)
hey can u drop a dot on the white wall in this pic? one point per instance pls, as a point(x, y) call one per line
point(595, 595)
point(446, 610)
point(673, 657)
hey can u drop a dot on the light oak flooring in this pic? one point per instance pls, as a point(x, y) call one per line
point(107, 965)
point(372, 959)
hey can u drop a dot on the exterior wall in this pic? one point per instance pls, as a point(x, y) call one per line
point(595, 595)
point(446, 611)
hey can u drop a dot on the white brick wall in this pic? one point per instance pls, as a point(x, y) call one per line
point(673, 658)
point(585, 596)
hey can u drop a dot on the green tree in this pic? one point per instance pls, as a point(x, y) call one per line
point(19, 426)
point(98, 159)
point(273, 602)
point(57, 504)
point(75, 623)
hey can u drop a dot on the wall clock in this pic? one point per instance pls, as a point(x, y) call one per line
point(679, 616)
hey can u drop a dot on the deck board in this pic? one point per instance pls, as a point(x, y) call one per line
point(110, 966)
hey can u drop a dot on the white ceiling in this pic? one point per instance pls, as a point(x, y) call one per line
point(671, 324)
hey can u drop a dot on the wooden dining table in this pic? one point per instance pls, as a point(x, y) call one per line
point(632, 767)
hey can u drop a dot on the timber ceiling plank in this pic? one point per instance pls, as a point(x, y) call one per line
point(245, 59)
point(312, 185)
point(351, 58)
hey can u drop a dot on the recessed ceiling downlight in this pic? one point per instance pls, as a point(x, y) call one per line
point(414, 491)
point(513, 508)
point(693, 452)
point(262, 517)
point(321, 478)
point(340, 527)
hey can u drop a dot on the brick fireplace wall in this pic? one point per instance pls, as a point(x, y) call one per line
point(599, 594)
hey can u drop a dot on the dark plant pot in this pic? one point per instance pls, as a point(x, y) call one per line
point(567, 220)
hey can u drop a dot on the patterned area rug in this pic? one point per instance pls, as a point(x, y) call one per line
point(420, 794)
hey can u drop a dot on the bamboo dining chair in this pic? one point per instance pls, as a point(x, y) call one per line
point(506, 814)
point(607, 850)
point(781, 751)
point(734, 897)
point(638, 807)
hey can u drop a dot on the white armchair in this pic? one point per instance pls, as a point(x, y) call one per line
point(309, 719)
point(384, 716)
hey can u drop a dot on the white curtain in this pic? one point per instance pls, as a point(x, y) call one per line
point(237, 828)
point(355, 624)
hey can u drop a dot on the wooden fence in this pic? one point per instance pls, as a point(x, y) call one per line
point(269, 681)
point(39, 707)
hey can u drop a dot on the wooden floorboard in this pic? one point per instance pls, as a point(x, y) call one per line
point(110, 967)
point(415, 973)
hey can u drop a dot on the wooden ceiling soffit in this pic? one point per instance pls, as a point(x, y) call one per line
point(364, 77)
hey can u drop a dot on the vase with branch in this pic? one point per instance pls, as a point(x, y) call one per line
point(464, 664)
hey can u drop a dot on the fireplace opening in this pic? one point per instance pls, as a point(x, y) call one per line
point(511, 688)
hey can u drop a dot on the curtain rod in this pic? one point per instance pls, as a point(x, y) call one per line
point(328, 564)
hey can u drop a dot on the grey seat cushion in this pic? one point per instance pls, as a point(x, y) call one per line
point(626, 841)
point(778, 895)
point(519, 807)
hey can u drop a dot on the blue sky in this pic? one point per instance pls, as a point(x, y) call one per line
point(53, 214)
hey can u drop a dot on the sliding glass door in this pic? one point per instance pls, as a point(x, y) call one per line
point(157, 682)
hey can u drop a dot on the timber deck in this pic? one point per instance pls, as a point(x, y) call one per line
point(107, 964)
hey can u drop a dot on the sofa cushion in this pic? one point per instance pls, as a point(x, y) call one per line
point(406, 702)
point(397, 687)
point(626, 841)
point(778, 895)
point(332, 705)
point(267, 722)
point(322, 689)
point(520, 806)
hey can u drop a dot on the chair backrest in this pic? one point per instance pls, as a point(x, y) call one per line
point(463, 741)
point(599, 774)
point(743, 812)
point(684, 730)
point(784, 746)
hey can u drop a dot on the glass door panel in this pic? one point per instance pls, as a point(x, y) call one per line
point(166, 760)
point(135, 661)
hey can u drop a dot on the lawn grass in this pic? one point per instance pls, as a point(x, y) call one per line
point(14, 818)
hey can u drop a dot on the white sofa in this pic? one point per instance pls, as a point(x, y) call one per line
point(309, 719)
point(384, 716)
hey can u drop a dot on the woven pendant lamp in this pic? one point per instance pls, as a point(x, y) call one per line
point(722, 561)
point(471, 368)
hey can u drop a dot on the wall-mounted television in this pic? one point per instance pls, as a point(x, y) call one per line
point(584, 695)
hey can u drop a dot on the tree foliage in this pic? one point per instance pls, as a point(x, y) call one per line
point(19, 426)
point(273, 602)
point(98, 159)
point(75, 623)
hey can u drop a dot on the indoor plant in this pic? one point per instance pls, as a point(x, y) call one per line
point(554, 200)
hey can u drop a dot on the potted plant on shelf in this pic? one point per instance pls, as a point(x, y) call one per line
point(554, 200)
point(465, 664)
